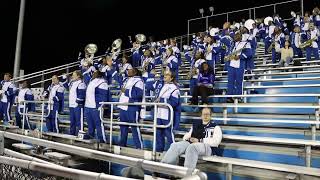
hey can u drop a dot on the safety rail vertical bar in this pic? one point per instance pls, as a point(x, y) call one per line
point(155, 113)
point(111, 133)
point(23, 117)
point(42, 119)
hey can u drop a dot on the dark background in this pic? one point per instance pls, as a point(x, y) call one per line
point(56, 30)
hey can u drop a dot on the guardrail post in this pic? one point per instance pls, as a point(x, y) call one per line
point(274, 9)
point(313, 132)
point(42, 119)
point(249, 13)
point(1, 143)
point(229, 172)
point(245, 98)
point(207, 23)
point(227, 17)
point(308, 156)
point(154, 133)
point(317, 117)
point(236, 101)
point(225, 114)
point(254, 13)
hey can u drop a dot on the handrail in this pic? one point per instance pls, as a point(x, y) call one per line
point(105, 156)
point(154, 126)
point(57, 170)
point(42, 116)
point(73, 64)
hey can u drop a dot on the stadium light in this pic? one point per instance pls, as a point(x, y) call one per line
point(201, 11)
point(211, 9)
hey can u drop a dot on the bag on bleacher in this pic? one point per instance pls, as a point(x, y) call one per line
point(297, 62)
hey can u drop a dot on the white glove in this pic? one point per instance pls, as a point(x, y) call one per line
point(1, 91)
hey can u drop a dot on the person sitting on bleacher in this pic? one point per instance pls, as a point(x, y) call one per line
point(286, 54)
point(205, 84)
point(196, 63)
point(278, 39)
point(203, 139)
point(169, 93)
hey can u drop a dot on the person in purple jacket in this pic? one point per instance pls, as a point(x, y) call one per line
point(205, 84)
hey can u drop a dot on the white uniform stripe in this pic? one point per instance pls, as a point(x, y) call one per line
point(81, 119)
point(56, 122)
point(138, 130)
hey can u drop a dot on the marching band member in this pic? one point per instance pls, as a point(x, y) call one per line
point(312, 35)
point(87, 70)
point(296, 40)
point(226, 44)
point(170, 94)
point(278, 40)
point(7, 93)
point(148, 64)
point(136, 54)
point(171, 62)
point(131, 91)
point(77, 93)
point(176, 50)
point(124, 67)
point(268, 39)
point(56, 102)
point(109, 70)
point(246, 37)
point(240, 53)
point(194, 70)
point(212, 51)
point(24, 94)
point(97, 91)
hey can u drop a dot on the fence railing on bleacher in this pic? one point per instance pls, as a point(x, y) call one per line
point(203, 23)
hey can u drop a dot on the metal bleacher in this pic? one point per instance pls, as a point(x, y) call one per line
point(272, 133)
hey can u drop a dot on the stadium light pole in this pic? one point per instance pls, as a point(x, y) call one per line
point(16, 69)
point(302, 9)
point(201, 11)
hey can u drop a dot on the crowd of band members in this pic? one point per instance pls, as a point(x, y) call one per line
point(234, 46)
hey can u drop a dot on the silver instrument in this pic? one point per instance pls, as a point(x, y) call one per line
point(116, 44)
point(141, 38)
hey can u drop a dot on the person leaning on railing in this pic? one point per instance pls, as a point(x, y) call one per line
point(203, 139)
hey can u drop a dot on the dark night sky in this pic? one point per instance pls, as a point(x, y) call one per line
point(56, 30)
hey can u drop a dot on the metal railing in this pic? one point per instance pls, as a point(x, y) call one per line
point(39, 77)
point(27, 113)
point(105, 156)
point(251, 12)
point(56, 170)
point(154, 126)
